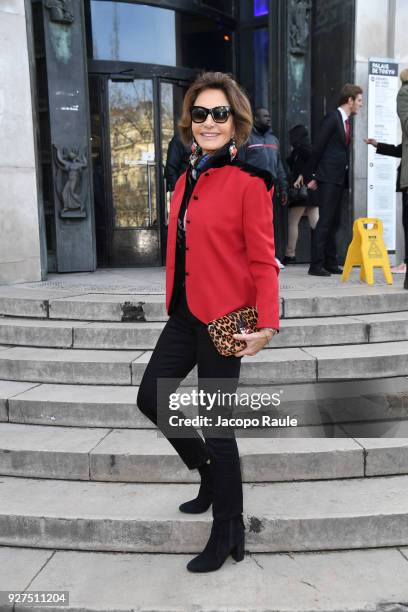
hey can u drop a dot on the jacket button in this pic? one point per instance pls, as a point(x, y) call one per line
point(187, 274)
point(187, 220)
point(207, 174)
point(195, 197)
point(187, 248)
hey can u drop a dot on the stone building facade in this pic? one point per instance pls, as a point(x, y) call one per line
point(90, 92)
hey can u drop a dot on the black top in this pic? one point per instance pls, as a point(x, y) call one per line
point(297, 162)
point(219, 159)
point(393, 151)
point(298, 159)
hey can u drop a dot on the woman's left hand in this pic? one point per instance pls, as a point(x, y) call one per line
point(255, 342)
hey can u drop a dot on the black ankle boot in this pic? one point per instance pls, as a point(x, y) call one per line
point(227, 537)
point(406, 279)
point(205, 494)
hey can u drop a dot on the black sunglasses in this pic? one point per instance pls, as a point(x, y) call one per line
point(220, 114)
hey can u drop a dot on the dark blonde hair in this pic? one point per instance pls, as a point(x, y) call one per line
point(349, 91)
point(237, 99)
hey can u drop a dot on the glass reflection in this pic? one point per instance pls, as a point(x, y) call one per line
point(146, 34)
point(131, 121)
point(133, 32)
point(261, 7)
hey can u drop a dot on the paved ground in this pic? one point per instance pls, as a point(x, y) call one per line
point(152, 280)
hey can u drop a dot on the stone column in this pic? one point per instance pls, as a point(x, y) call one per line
point(20, 243)
point(68, 102)
point(298, 54)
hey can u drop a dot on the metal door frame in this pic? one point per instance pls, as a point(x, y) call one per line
point(160, 174)
point(105, 71)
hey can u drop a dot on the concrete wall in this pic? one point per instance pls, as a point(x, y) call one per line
point(380, 31)
point(20, 250)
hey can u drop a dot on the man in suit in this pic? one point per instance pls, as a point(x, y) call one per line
point(327, 171)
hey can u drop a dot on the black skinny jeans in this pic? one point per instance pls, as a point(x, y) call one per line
point(183, 343)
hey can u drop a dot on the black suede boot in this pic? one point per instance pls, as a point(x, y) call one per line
point(227, 537)
point(205, 494)
point(406, 279)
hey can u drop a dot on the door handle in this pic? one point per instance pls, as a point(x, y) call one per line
point(149, 193)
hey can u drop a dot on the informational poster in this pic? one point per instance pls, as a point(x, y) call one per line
point(383, 127)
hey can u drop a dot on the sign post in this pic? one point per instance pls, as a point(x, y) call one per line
point(382, 125)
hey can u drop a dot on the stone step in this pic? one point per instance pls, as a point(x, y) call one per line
point(117, 368)
point(109, 307)
point(276, 366)
point(280, 517)
point(340, 300)
point(344, 300)
point(18, 301)
point(144, 455)
point(36, 332)
point(359, 361)
point(346, 581)
point(115, 406)
point(135, 336)
point(67, 366)
point(71, 405)
point(9, 389)
point(308, 364)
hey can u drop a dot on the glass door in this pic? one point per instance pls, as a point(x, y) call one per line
point(133, 156)
point(133, 120)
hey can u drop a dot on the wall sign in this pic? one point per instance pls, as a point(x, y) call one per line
point(383, 126)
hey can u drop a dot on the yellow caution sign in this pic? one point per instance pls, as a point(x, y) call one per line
point(367, 250)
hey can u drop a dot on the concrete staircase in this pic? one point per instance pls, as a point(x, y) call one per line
point(89, 491)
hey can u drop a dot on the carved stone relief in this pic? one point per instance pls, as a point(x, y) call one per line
point(71, 184)
point(299, 26)
point(60, 11)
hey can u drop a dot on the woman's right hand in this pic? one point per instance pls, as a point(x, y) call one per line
point(299, 182)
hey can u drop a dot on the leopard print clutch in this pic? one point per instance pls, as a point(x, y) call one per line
point(240, 321)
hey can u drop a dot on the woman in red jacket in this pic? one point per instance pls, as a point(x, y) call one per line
point(220, 257)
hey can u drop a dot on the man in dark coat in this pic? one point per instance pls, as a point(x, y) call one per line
point(263, 151)
point(177, 161)
point(327, 171)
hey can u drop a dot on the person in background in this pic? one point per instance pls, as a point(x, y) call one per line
point(327, 171)
point(402, 110)
point(262, 150)
point(301, 200)
point(396, 151)
point(177, 161)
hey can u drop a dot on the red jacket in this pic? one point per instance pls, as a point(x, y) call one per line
point(230, 251)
